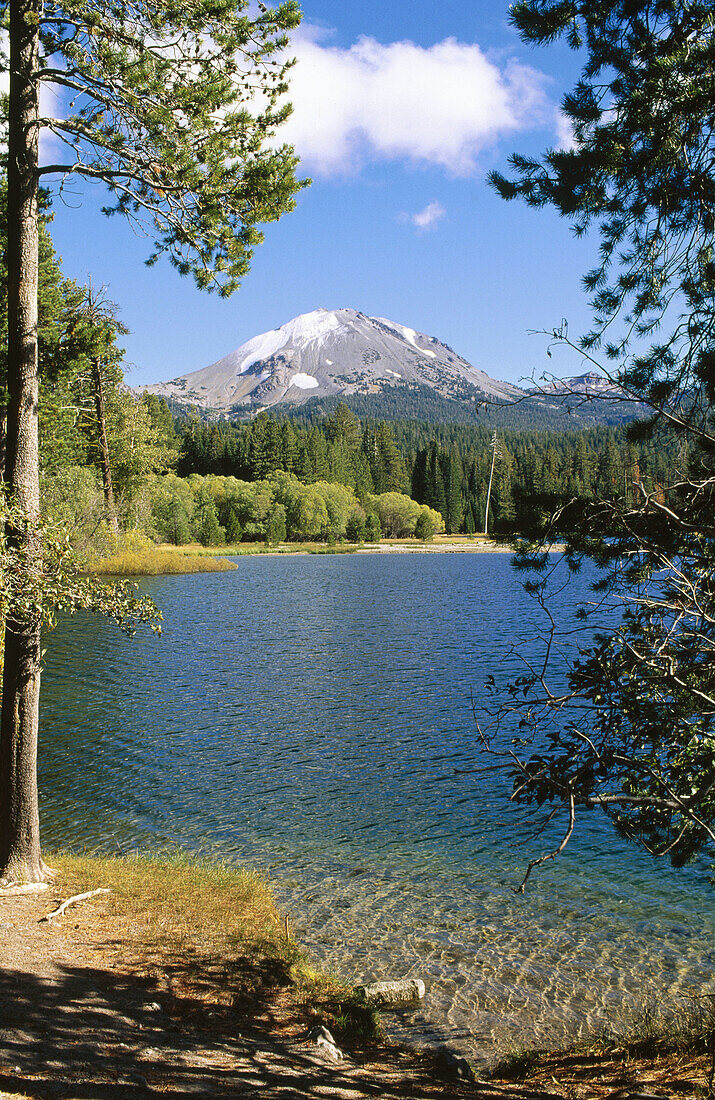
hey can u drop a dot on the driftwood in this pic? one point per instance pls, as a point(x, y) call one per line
point(73, 901)
point(392, 993)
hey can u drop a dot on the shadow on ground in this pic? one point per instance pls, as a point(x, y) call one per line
point(90, 1034)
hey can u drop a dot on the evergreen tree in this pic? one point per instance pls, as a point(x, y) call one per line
point(157, 115)
point(317, 455)
point(425, 526)
point(344, 425)
point(373, 530)
point(303, 465)
point(634, 734)
point(234, 527)
point(418, 481)
point(435, 495)
point(388, 471)
point(162, 423)
point(288, 447)
point(453, 476)
point(355, 527)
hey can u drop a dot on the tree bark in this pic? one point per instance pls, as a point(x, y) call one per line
point(20, 859)
point(104, 446)
point(493, 446)
point(3, 442)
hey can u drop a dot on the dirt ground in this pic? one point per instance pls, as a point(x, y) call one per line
point(82, 1017)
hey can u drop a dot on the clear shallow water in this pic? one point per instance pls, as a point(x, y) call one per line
point(312, 716)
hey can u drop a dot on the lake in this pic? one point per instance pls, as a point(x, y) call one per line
point(312, 716)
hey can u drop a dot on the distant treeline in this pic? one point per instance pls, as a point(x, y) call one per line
point(421, 403)
point(444, 466)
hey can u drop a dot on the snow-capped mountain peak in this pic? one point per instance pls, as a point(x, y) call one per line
point(330, 351)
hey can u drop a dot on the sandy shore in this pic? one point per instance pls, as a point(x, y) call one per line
point(435, 548)
point(87, 1012)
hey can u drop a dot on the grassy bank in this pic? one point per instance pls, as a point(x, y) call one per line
point(194, 558)
point(160, 560)
point(211, 934)
point(665, 1050)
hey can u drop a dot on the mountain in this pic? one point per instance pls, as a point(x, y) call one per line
point(385, 370)
point(332, 352)
point(590, 384)
point(590, 395)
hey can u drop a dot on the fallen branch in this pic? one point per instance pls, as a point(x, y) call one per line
point(73, 901)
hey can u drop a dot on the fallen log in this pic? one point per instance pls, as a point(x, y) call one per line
point(405, 991)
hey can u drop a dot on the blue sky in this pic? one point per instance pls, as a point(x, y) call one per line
point(401, 108)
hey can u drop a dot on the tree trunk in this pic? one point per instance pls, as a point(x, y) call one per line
point(493, 446)
point(104, 446)
point(3, 442)
point(20, 859)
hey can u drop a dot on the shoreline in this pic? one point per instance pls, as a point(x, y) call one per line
point(180, 560)
point(183, 974)
point(435, 548)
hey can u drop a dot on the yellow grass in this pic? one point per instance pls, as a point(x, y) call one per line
point(194, 558)
point(245, 548)
point(175, 895)
point(212, 933)
point(134, 563)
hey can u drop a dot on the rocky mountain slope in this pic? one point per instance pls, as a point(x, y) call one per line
point(332, 352)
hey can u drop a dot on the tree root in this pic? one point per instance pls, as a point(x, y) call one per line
point(10, 889)
point(21, 877)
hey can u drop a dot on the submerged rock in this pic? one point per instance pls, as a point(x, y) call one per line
point(454, 1065)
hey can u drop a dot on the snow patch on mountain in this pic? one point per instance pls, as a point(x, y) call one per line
point(309, 327)
point(411, 337)
point(261, 347)
point(408, 333)
point(304, 381)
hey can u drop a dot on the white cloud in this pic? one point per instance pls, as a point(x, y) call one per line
point(438, 106)
point(50, 98)
point(425, 219)
point(564, 132)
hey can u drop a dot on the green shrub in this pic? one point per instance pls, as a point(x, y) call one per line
point(373, 531)
point(355, 526)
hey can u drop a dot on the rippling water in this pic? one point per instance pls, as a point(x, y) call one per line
point(312, 716)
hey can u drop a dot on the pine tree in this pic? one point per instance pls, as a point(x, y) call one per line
point(157, 114)
point(389, 474)
point(234, 527)
point(288, 447)
point(453, 476)
point(635, 735)
point(373, 532)
point(418, 482)
point(317, 451)
point(435, 495)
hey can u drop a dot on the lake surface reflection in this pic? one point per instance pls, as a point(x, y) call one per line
point(312, 716)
